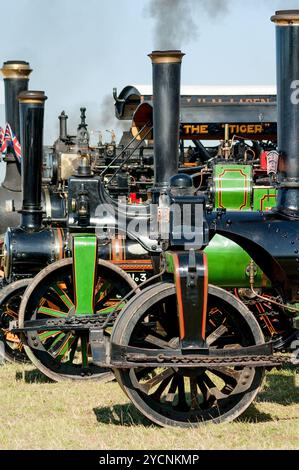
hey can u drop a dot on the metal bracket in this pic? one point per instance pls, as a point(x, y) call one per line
point(100, 347)
point(191, 281)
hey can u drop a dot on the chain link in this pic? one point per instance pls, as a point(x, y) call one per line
point(209, 361)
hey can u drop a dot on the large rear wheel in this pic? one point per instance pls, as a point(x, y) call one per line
point(177, 396)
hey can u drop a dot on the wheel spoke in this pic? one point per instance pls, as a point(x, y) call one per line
point(157, 394)
point(221, 330)
point(213, 391)
point(149, 384)
point(107, 310)
point(48, 334)
point(11, 313)
point(51, 312)
point(63, 296)
point(56, 344)
point(172, 389)
point(227, 374)
point(194, 393)
point(65, 347)
point(161, 343)
point(103, 290)
point(182, 403)
point(61, 344)
point(205, 393)
point(110, 294)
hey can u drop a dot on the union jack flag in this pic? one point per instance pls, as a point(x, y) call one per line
point(9, 137)
point(1, 138)
point(16, 144)
point(2, 141)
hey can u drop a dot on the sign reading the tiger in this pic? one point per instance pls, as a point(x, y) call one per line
point(254, 131)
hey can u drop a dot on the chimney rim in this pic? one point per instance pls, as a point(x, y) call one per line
point(286, 17)
point(18, 69)
point(32, 97)
point(166, 56)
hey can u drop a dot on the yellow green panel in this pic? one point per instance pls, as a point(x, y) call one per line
point(84, 271)
point(233, 186)
point(229, 265)
point(264, 198)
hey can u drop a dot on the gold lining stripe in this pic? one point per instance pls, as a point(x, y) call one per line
point(30, 101)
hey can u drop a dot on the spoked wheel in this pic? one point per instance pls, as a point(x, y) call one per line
point(60, 354)
point(10, 301)
point(187, 396)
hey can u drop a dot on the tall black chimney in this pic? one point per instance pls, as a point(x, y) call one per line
point(166, 114)
point(63, 126)
point(16, 76)
point(287, 60)
point(32, 123)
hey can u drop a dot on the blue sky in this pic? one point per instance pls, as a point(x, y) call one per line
point(80, 49)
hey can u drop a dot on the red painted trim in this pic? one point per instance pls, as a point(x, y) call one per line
point(266, 196)
point(179, 295)
point(205, 294)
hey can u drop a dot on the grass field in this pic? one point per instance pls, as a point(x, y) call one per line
point(38, 414)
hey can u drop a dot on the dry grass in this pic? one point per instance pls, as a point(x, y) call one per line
point(38, 414)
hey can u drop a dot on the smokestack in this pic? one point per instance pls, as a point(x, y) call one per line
point(16, 76)
point(287, 63)
point(31, 124)
point(166, 114)
point(63, 126)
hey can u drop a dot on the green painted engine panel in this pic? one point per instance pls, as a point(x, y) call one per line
point(264, 198)
point(228, 265)
point(233, 186)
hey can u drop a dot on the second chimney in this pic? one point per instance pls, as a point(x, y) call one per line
point(166, 114)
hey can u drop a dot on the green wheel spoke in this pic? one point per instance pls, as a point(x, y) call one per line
point(107, 310)
point(57, 342)
point(63, 296)
point(108, 296)
point(104, 289)
point(48, 334)
point(51, 312)
point(65, 347)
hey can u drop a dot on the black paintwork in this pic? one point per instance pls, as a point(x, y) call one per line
point(287, 63)
point(166, 115)
point(28, 253)
point(32, 120)
point(270, 239)
point(191, 275)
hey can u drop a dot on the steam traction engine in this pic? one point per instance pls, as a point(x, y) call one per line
point(228, 173)
point(184, 350)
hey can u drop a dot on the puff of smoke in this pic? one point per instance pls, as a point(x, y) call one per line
point(175, 21)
